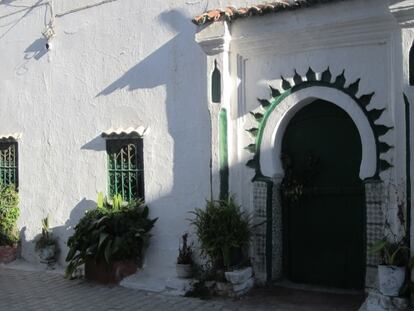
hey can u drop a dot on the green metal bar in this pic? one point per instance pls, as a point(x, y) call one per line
point(115, 176)
point(129, 174)
point(122, 155)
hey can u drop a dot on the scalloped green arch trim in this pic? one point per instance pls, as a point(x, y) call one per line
point(300, 83)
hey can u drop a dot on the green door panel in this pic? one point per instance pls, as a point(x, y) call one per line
point(324, 229)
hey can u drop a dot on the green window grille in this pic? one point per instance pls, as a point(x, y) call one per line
point(8, 164)
point(125, 168)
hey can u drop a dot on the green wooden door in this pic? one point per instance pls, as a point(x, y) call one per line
point(324, 228)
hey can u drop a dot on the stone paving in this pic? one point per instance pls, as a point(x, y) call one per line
point(43, 291)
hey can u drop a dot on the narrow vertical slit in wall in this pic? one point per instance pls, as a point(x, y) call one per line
point(216, 84)
point(223, 155)
point(411, 65)
point(408, 165)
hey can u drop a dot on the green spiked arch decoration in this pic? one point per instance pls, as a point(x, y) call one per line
point(310, 80)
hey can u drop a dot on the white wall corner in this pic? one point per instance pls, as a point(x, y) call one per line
point(403, 11)
point(214, 38)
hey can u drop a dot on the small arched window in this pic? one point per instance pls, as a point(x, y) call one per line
point(216, 84)
point(411, 65)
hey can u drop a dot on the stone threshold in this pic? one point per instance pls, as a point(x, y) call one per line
point(316, 288)
point(152, 281)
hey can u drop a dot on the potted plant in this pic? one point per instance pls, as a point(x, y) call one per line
point(110, 240)
point(392, 270)
point(46, 246)
point(9, 213)
point(184, 264)
point(224, 232)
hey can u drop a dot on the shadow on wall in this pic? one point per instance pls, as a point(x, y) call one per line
point(180, 66)
point(36, 50)
point(27, 10)
point(96, 144)
point(61, 233)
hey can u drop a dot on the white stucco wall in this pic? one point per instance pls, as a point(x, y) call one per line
point(130, 63)
point(124, 63)
point(361, 37)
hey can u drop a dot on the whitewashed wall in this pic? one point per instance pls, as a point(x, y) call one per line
point(125, 63)
point(361, 37)
point(129, 63)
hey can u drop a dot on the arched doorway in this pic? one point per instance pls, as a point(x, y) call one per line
point(323, 201)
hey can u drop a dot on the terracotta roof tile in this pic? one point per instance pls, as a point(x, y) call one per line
point(231, 13)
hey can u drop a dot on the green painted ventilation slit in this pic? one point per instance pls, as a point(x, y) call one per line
point(275, 92)
point(310, 75)
point(216, 84)
point(354, 87)
point(223, 156)
point(411, 65)
point(326, 76)
point(340, 80)
point(285, 84)
point(297, 78)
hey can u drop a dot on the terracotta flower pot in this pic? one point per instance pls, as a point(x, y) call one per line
point(184, 271)
point(102, 272)
point(8, 253)
point(391, 279)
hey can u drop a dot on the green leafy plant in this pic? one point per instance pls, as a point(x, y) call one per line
point(222, 229)
point(9, 213)
point(391, 254)
point(115, 230)
point(46, 239)
point(185, 252)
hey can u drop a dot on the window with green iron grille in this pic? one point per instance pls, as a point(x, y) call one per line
point(8, 164)
point(125, 168)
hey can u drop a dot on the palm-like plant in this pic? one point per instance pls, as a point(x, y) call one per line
point(221, 228)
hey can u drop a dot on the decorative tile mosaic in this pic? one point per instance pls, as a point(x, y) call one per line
point(374, 202)
point(259, 234)
point(277, 226)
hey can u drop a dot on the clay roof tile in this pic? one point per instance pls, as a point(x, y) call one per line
point(231, 13)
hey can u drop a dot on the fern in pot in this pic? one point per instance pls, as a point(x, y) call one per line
point(392, 270)
point(224, 232)
point(184, 264)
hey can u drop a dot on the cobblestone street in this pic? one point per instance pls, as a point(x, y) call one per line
point(42, 291)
